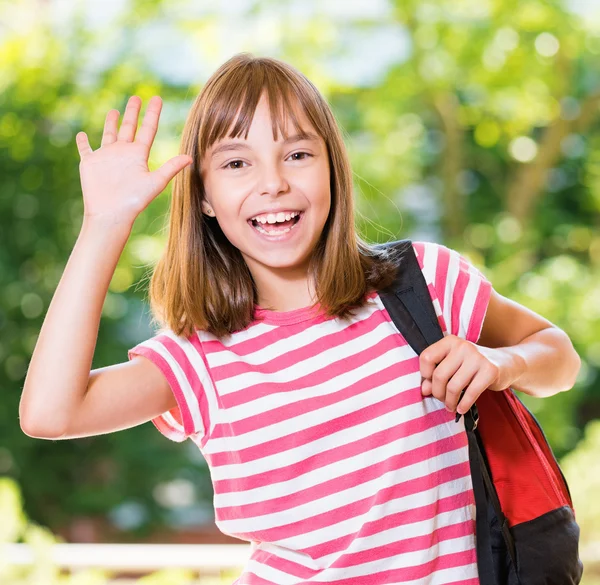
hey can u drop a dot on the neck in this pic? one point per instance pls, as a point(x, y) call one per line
point(283, 290)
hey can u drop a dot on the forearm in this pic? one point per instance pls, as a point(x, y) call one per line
point(59, 368)
point(543, 364)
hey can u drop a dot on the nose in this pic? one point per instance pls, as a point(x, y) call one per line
point(272, 180)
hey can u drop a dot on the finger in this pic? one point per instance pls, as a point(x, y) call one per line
point(130, 119)
point(164, 174)
point(83, 145)
point(147, 131)
point(461, 379)
point(442, 374)
point(432, 355)
point(480, 382)
point(426, 387)
point(109, 135)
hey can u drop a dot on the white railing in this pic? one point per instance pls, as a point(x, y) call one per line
point(134, 558)
point(146, 558)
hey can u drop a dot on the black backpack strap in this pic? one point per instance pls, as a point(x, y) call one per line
point(408, 302)
point(414, 316)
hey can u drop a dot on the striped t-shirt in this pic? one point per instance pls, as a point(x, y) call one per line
point(322, 451)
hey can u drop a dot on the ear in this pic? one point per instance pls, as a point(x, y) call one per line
point(207, 208)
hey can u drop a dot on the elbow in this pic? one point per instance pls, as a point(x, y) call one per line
point(40, 433)
point(36, 433)
point(574, 368)
point(37, 430)
point(36, 422)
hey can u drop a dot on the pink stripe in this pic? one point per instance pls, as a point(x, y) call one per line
point(419, 248)
point(304, 436)
point(197, 343)
point(440, 316)
point(316, 402)
point(191, 375)
point(181, 413)
point(313, 348)
point(424, 571)
point(438, 288)
point(420, 514)
point(333, 485)
point(478, 315)
point(407, 545)
point(458, 296)
point(360, 507)
point(441, 276)
point(167, 430)
point(270, 335)
point(250, 578)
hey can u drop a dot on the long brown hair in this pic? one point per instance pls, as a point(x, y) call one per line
point(202, 281)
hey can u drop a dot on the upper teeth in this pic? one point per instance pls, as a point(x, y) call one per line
point(275, 217)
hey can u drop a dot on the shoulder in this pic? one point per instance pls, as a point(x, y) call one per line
point(438, 262)
point(180, 358)
point(181, 361)
point(460, 291)
point(164, 341)
point(429, 254)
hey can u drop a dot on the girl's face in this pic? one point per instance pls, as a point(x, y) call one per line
point(262, 177)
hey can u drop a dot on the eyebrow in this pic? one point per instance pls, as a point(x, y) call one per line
point(243, 146)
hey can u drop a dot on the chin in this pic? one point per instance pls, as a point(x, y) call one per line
point(278, 258)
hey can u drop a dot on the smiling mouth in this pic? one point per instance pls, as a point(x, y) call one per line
point(276, 228)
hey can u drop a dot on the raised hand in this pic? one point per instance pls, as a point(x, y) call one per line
point(116, 183)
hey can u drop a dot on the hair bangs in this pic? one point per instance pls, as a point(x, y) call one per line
point(233, 112)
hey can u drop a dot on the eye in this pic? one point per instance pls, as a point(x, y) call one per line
point(227, 166)
point(302, 152)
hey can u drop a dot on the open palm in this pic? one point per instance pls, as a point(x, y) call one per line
point(115, 180)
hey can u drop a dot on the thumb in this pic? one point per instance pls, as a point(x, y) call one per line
point(166, 172)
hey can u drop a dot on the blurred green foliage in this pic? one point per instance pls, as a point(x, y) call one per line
point(581, 469)
point(17, 528)
point(481, 134)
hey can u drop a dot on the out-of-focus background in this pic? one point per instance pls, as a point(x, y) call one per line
point(472, 123)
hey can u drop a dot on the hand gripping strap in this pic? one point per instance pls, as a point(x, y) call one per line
point(408, 302)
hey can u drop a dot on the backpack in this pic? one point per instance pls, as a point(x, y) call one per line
point(526, 532)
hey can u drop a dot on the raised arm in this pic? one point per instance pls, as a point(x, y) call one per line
point(117, 186)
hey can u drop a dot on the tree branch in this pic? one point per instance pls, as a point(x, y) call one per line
point(453, 218)
point(527, 185)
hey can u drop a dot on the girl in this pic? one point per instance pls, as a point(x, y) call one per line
point(332, 446)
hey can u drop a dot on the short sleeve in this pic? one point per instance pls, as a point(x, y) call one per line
point(181, 362)
point(460, 291)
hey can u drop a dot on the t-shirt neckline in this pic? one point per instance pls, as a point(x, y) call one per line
point(288, 317)
point(293, 316)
